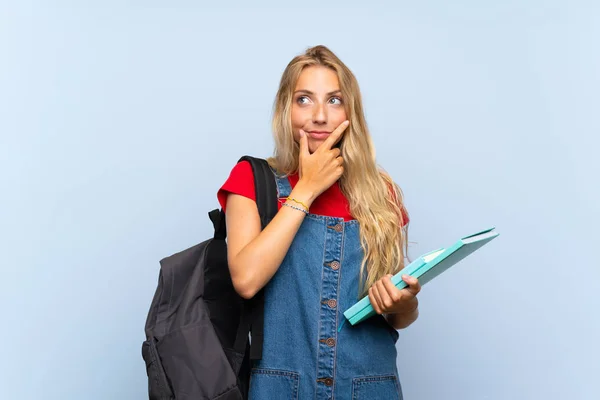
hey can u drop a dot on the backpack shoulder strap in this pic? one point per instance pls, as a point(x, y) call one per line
point(265, 188)
point(266, 201)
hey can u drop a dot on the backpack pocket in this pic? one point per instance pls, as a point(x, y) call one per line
point(196, 364)
point(158, 385)
point(376, 387)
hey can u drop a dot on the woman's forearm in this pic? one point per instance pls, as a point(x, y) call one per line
point(402, 321)
point(255, 263)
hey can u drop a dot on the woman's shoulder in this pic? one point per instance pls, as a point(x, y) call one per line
point(240, 182)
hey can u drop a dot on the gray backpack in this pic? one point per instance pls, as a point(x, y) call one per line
point(197, 328)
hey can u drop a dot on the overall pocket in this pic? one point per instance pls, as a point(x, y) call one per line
point(273, 384)
point(158, 385)
point(385, 387)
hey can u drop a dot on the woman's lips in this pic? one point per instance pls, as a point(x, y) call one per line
point(319, 135)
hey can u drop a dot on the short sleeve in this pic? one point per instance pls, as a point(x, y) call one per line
point(240, 181)
point(405, 218)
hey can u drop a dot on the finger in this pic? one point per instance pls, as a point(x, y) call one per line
point(378, 299)
point(414, 287)
point(335, 136)
point(392, 291)
point(386, 300)
point(303, 144)
point(374, 301)
point(339, 160)
point(378, 295)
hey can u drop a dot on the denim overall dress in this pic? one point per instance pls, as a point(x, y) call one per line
point(305, 355)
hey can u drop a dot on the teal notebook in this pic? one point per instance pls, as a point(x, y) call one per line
point(425, 268)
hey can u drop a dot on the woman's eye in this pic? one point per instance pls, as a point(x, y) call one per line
point(306, 100)
point(302, 100)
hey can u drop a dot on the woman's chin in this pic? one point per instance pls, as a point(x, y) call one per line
point(313, 145)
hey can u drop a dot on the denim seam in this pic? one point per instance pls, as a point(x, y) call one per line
point(337, 296)
point(320, 305)
point(359, 380)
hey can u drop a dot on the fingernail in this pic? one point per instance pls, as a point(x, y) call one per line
point(301, 133)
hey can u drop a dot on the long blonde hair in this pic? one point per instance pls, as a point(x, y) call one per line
point(375, 200)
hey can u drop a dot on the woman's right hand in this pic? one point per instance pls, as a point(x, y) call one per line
point(321, 169)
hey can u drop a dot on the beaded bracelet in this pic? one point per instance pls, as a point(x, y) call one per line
point(298, 202)
point(295, 208)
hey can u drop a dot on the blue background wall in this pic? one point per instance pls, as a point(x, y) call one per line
point(119, 120)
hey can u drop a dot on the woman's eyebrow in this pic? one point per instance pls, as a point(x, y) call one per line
point(311, 93)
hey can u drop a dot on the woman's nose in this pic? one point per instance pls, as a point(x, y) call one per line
point(319, 114)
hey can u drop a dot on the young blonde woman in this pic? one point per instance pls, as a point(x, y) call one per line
point(340, 233)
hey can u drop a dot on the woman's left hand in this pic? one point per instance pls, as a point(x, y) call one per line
point(388, 299)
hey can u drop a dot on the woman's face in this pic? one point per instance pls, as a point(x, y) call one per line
point(317, 105)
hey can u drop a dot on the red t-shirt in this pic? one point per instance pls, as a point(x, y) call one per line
point(331, 202)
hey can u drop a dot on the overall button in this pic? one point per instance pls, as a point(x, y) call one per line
point(326, 381)
point(332, 303)
point(335, 265)
point(330, 342)
point(336, 227)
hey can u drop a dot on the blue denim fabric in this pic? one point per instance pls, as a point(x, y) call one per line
point(304, 355)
